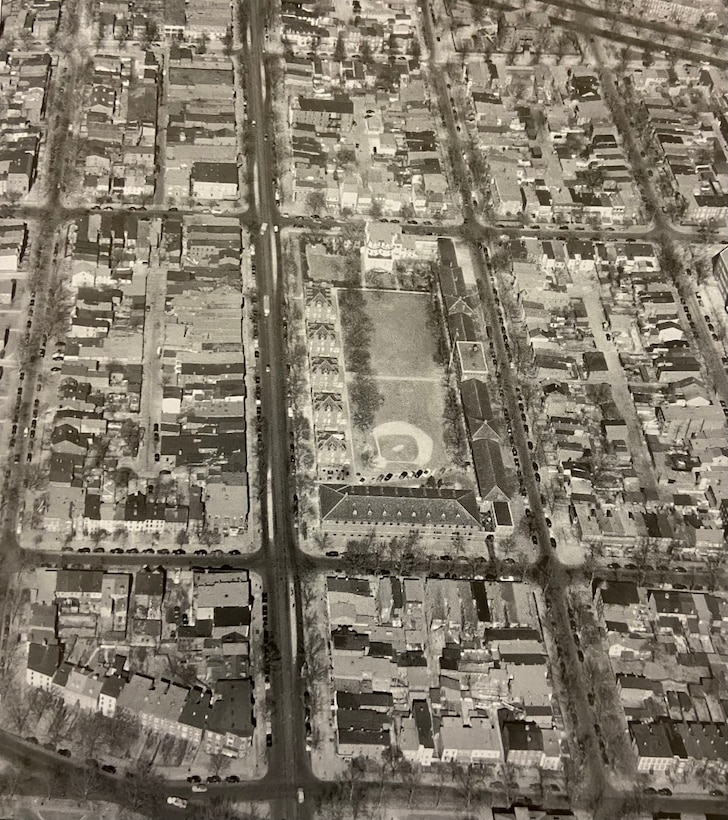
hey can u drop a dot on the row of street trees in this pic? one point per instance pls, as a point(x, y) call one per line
point(357, 328)
point(368, 785)
point(371, 553)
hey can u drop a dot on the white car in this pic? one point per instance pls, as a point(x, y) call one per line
point(199, 788)
point(180, 802)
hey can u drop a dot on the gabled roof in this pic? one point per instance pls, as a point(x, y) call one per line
point(418, 506)
point(44, 659)
point(476, 402)
point(489, 470)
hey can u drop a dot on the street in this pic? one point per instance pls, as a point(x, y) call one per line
point(278, 557)
point(288, 760)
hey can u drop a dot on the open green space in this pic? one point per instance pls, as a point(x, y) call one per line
point(403, 342)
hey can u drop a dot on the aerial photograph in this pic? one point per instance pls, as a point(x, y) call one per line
point(363, 409)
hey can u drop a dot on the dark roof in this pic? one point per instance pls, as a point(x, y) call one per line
point(233, 712)
point(363, 737)
point(476, 403)
point(672, 602)
point(73, 580)
point(346, 640)
point(620, 592)
point(446, 248)
point(196, 710)
point(44, 659)
point(226, 172)
point(595, 361)
point(149, 583)
point(521, 735)
point(489, 470)
point(353, 586)
point(363, 700)
point(112, 686)
point(423, 721)
point(480, 596)
point(339, 105)
point(452, 282)
point(362, 719)
point(232, 616)
point(462, 328)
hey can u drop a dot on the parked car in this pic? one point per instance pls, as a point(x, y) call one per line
point(179, 802)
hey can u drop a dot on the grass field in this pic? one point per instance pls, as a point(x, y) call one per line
point(402, 343)
point(419, 403)
point(401, 351)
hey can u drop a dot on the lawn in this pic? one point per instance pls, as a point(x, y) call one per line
point(416, 403)
point(402, 343)
point(407, 429)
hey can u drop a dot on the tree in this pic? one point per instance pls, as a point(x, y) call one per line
point(407, 211)
point(316, 202)
point(18, 708)
point(151, 33)
point(145, 790)
point(340, 48)
point(365, 53)
point(411, 775)
point(219, 763)
point(227, 41)
point(375, 211)
point(346, 155)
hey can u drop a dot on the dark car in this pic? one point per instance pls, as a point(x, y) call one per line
point(194, 778)
point(109, 769)
point(214, 778)
point(232, 778)
point(665, 792)
point(64, 753)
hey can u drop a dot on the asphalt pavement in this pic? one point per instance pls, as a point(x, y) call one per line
point(288, 759)
point(279, 560)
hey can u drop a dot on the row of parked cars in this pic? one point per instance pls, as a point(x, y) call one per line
point(150, 551)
